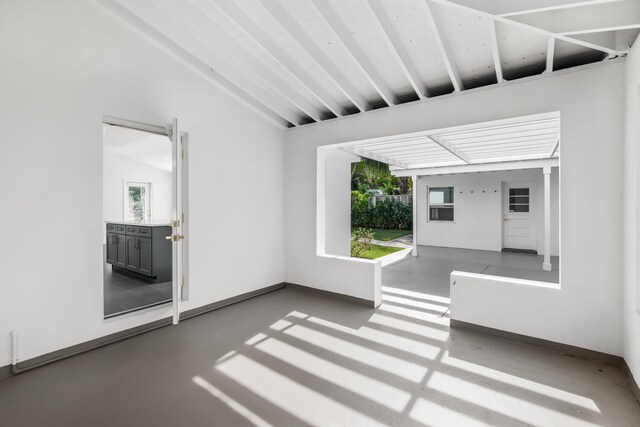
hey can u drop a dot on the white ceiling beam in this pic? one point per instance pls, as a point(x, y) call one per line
point(508, 20)
point(203, 21)
point(330, 16)
point(450, 148)
point(605, 39)
point(495, 50)
point(383, 159)
point(502, 138)
point(507, 158)
point(295, 30)
point(521, 7)
point(148, 20)
point(481, 167)
point(443, 48)
point(555, 148)
point(601, 17)
point(398, 49)
point(551, 49)
point(231, 11)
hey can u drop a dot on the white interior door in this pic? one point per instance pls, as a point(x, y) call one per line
point(178, 219)
point(518, 217)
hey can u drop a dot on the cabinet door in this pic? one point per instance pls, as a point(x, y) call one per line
point(121, 260)
point(133, 254)
point(144, 252)
point(112, 248)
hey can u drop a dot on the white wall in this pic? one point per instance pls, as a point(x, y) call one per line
point(587, 311)
point(631, 294)
point(65, 64)
point(478, 216)
point(337, 199)
point(117, 170)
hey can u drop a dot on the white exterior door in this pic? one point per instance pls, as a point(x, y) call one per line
point(518, 216)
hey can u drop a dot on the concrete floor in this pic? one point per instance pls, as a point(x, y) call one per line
point(297, 358)
point(429, 271)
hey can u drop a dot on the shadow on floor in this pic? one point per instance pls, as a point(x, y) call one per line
point(294, 357)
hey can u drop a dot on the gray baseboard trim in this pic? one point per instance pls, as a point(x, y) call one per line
point(225, 302)
point(632, 381)
point(45, 359)
point(359, 301)
point(569, 350)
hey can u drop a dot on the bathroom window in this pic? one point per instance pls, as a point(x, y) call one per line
point(440, 203)
point(137, 206)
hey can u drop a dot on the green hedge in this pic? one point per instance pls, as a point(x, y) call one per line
point(387, 213)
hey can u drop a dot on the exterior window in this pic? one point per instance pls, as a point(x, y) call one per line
point(519, 200)
point(440, 203)
point(137, 208)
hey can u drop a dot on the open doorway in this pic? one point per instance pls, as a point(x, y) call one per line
point(485, 199)
point(137, 213)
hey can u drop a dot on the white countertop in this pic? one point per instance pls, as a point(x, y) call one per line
point(153, 224)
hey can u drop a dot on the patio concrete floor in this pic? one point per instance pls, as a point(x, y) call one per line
point(429, 271)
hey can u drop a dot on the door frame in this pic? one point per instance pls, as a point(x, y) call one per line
point(180, 184)
point(533, 207)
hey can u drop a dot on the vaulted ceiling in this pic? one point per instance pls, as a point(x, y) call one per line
point(305, 61)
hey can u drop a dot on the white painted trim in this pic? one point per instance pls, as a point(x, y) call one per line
point(414, 190)
point(551, 48)
point(445, 50)
point(571, 5)
point(281, 15)
point(193, 62)
point(501, 279)
point(326, 10)
point(483, 167)
point(528, 27)
point(116, 121)
point(236, 15)
point(547, 218)
point(398, 49)
point(495, 49)
point(466, 92)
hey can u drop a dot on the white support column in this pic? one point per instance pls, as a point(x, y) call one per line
point(414, 185)
point(546, 265)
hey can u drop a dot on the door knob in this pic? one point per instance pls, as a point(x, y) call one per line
point(175, 237)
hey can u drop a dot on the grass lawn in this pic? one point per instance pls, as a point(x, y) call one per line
point(378, 251)
point(386, 235)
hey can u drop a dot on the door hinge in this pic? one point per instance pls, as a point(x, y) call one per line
point(182, 283)
point(175, 223)
point(182, 153)
point(183, 218)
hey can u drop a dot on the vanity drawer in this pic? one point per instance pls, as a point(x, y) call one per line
point(116, 228)
point(135, 230)
point(144, 231)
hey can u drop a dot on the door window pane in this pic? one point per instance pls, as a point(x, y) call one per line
point(519, 200)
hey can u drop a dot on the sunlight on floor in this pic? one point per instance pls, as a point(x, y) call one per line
point(397, 363)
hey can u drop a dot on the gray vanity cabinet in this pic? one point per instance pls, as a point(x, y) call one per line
point(139, 257)
point(116, 249)
point(141, 249)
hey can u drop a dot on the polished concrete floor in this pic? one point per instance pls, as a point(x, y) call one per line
point(430, 270)
point(298, 358)
point(124, 293)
